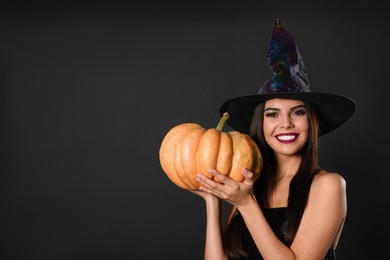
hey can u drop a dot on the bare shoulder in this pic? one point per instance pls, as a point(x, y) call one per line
point(328, 181)
point(328, 187)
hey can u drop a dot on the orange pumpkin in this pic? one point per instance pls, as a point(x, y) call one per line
point(188, 149)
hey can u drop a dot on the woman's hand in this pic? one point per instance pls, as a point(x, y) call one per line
point(232, 191)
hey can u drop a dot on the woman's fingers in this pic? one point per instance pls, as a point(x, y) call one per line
point(210, 186)
point(230, 182)
point(223, 178)
point(248, 177)
point(205, 182)
point(228, 189)
point(222, 189)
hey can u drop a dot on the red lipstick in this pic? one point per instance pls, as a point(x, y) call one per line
point(287, 138)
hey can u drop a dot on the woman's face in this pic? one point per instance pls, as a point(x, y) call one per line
point(286, 125)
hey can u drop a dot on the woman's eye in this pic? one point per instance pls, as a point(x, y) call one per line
point(272, 114)
point(299, 112)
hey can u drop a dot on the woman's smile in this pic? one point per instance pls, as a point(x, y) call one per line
point(287, 138)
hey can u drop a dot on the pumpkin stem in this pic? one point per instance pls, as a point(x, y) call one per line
point(222, 122)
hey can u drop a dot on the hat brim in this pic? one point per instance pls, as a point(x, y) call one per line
point(333, 110)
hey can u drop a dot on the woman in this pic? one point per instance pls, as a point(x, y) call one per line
point(295, 209)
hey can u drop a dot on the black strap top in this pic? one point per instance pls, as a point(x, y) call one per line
point(277, 218)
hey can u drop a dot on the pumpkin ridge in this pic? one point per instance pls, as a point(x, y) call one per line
point(207, 154)
point(257, 159)
point(242, 156)
point(188, 152)
point(224, 161)
point(179, 166)
point(167, 151)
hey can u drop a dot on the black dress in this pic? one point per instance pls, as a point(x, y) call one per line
point(277, 218)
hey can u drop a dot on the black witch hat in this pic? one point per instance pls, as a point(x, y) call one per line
point(289, 81)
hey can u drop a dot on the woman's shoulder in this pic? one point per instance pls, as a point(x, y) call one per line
point(328, 182)
point(325, 178)
point(327, 195)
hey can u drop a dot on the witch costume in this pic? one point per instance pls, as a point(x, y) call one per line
point(289, 81)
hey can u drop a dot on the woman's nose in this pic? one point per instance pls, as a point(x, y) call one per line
point(286, 122)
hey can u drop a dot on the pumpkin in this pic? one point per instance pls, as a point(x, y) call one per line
point(188, 149)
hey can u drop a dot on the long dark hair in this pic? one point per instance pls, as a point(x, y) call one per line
point(235, 232)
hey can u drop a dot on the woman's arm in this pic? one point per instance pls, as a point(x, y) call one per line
point(213, 244)
point(324, 216)
point(265, 239)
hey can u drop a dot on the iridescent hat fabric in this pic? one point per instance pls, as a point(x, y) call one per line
point(286, 63)
point(289, 81)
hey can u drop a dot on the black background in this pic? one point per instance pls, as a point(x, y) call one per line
point(89, 90)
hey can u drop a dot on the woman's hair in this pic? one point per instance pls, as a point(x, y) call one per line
point(235, 232)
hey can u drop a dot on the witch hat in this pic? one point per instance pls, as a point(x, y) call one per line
point(289, 81)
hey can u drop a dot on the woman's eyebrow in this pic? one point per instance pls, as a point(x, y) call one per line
point(299, 106)
point(278, 109)
point(271, 108)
